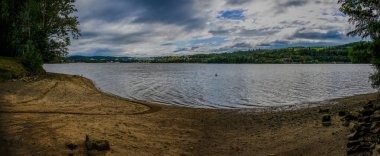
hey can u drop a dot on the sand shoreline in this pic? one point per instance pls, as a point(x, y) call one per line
point(39, 117)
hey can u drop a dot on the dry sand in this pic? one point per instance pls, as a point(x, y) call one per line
point(40, 117)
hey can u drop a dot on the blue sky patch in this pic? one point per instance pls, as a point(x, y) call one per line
point(212, 40)
point(232, 14)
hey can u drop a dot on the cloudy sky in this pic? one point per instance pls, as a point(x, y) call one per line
point(142, 28)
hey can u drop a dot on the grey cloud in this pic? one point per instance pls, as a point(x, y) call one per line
point(167, 44)
point(104, 10)
point(280, 42)
point(273, 43)
point(332, 34)
point(87, 34)
point(186, 49)
point(241, 46)
point(264, 45)
point(128, 38)
point(283, 5)
point(177, 12)
point(235, 47)
point(180, 12)
point(106, 51)
point(295, 3)
point(241, 31)
point(237, 2)
point(180, 50)
point(220, 31)
point(117, 39)
point(258, 32)
point(295, 23)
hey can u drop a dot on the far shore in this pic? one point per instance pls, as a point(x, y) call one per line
point(39, 116)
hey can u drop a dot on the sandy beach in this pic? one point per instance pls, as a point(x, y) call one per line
point(39, 117)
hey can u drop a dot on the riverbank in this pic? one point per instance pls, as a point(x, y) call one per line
point(38, 117)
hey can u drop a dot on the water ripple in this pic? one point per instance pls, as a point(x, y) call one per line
point(236, 86)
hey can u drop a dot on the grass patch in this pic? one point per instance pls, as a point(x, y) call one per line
point(11, 68)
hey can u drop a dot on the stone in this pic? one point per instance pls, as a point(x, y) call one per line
point(346, 123)
point(100, 145)
point(71, 146)
point(377, 149)
point(352, 116)
point(342, 113)
point(365, 124)
point(376, 131)
point(353, 150)
point(353, 143)
point(367, 112)
point(353, 136)
point(326, 118)
point(369, 105)
point(376, 115)
point(376, 106)
point(375, 125)
point(367, 119)
point(327, 123)
point(323, 110)
point(364, 129)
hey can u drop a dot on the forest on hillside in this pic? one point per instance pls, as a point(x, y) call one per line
point(350, 53)
point(335, 54)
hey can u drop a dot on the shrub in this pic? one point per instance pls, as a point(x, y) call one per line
point(32, 59)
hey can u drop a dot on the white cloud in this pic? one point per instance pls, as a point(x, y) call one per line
point(114, 31)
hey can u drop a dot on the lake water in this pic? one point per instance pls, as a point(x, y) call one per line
point(225, 85)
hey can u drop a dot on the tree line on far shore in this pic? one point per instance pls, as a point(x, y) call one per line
point(350, 53)
point(358, 52)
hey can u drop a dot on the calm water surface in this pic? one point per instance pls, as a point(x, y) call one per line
point(224, 85)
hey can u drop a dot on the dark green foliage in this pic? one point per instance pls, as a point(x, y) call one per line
point(37, 28)
point(361, 52)
point(5, 75)
point(31, 59)
point(365, 15)
point(376, 63)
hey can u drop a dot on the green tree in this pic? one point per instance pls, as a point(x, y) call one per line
point(361, 52)
point(365, 15)
point(37, 29)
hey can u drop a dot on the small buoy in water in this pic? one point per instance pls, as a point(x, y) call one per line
point(216, 75)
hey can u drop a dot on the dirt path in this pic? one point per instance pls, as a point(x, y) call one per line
point(39, 117)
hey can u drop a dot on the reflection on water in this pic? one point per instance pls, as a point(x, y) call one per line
point(224, 85)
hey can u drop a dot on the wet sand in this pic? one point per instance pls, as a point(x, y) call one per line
point(39, 117)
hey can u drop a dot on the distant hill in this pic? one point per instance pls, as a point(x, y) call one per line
point(329, 54)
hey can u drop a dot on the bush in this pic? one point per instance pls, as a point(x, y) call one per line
point(375, 77)
point(4, 75)
point(32, 59)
